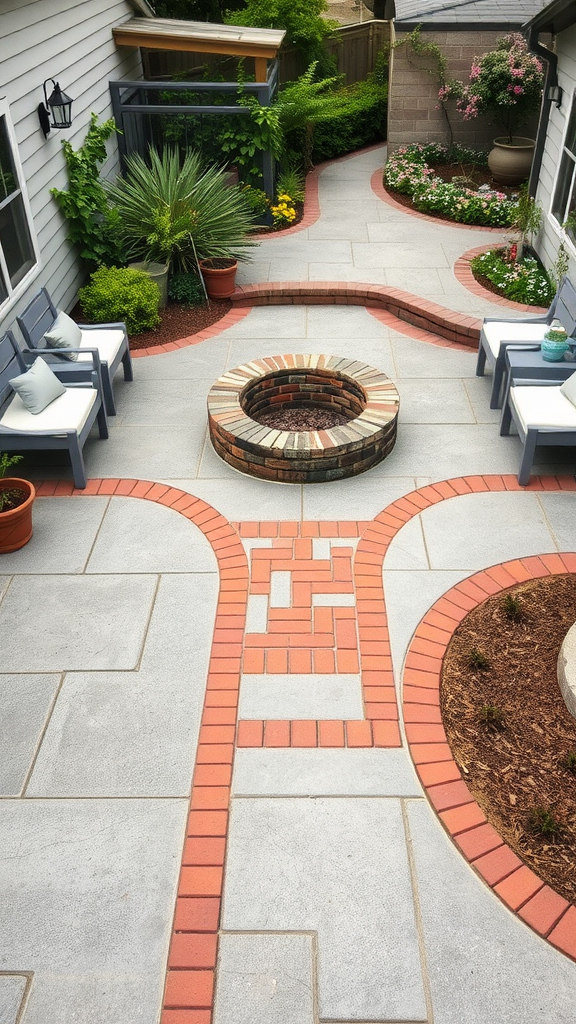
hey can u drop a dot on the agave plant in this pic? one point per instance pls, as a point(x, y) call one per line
point(178, 213)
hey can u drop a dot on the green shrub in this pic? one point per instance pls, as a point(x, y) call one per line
point(520, 280)
point(361, 121)
point(116, 293)
point(293, 183)
point(186, 288)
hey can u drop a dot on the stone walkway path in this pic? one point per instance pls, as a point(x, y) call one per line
point(220, 740)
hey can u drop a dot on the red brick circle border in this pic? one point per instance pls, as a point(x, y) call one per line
point(463, 273)
point(189, 990)
point(523, 892)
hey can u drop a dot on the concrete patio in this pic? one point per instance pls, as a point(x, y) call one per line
point(152, 636)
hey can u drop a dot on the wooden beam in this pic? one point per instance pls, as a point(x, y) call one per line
point(187, 44)
point(261, 68)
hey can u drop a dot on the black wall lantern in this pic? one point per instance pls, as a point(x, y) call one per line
point(57, 110)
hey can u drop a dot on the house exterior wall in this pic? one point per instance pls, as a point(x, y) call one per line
point(551, 233)
point(413, 111)
point(70, 41)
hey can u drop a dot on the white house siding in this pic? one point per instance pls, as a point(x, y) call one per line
point(551, 234)
point(70, 41)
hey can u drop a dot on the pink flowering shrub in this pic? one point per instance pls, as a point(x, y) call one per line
point(407, 171)
point(507, 82)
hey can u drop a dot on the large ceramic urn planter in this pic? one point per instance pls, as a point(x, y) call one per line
point(219, 277)
point(510, 162)
point(16, 523)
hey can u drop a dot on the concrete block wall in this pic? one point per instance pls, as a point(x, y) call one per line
point(414, 114)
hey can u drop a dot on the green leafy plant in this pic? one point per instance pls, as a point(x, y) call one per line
point(522, 280)
point(513, 607)
point(302, 20)
point(491, 718)
point(186, 288)
point(178, 213)
point(526, 219)
point(478, 660)
point(292, 181)
point(10, 497)
point(569, 761)
point(357, 120)
point(117, 293)
point(92, 225)
point(257, 199)
point(544, 821)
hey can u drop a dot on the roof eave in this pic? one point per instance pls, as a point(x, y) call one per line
point(556, 17)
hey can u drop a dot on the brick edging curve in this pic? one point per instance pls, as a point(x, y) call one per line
point(380, 190)
point(463, 273)
point(428, 316)
point(548, 914)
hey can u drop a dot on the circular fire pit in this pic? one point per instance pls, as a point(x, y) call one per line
point(303, 418)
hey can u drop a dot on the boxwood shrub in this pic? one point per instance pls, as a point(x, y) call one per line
point(117, 293)
point(362, 121)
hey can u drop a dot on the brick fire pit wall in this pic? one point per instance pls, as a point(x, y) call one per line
point(306, 456)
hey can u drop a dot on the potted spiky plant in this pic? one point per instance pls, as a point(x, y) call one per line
point(16, 500)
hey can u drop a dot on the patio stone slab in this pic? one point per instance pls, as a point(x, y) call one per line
point(4, 582)
point(119, 734)
point(162, 402)
point(246, 497)
point(321, 772)
point(407, 550)
point(140, 536)
point(409, 595)
point(64, 532)
point(147, 454)
point(265, 979)
point(300, 696)
point(417, 359)
point(343, 323)
point(205, 360)
point(442, 451)
point(560, 515)
point(484, 964)
point(434, 401)
point(269, 322)
point(476, 530)
point(179, 635)
point(74, 910)
point(478, 389)
point(25, 702)
point(12, 989)
point(338, 867)
point(78, 622)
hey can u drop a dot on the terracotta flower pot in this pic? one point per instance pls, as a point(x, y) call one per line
point(16, 523)
point(219, 277)
point(510, 163)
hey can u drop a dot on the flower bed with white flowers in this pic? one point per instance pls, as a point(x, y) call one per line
point(408, 172)
point(522, 280)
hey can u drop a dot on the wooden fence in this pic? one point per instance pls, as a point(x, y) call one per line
point(355, 48)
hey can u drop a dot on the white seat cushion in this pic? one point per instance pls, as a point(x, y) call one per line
point(496, 332)
point(69, 412)
point(107, 343)
point(543, 407)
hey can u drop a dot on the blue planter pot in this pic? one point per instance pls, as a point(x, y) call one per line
point(553, 351)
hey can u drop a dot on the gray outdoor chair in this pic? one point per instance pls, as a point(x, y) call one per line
point(64, 424)
point(544, 413)
point(523, 334)
point(110, 340)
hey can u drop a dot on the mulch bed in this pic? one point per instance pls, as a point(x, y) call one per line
point(478, 176)
point(513, 757)
point(178, 322)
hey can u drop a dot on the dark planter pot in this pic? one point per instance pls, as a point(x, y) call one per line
point(16, 523)
point(510, 163)
point(219, 277)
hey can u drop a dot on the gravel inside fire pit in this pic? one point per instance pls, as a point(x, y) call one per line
point(314, 418)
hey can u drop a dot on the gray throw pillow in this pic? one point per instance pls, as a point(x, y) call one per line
point(64, 334)
point(568, 389)
point(38, 387)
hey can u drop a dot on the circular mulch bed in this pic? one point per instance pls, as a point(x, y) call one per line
point(178, 321)
point(508, 727)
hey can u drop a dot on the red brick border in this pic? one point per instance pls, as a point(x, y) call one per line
point(523, 892)
point(379, 189)
point(427, 316)
point(463, 273)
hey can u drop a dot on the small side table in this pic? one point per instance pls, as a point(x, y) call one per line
point(523, 365)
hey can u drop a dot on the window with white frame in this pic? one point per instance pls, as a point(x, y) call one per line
point(17, 252)
point(564, 204)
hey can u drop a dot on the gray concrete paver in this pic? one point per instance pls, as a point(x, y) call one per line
point(25, 702)
point(300, 696)
point(64, 533)
point(323, 772)
point(265, 979)
point(12, 989)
